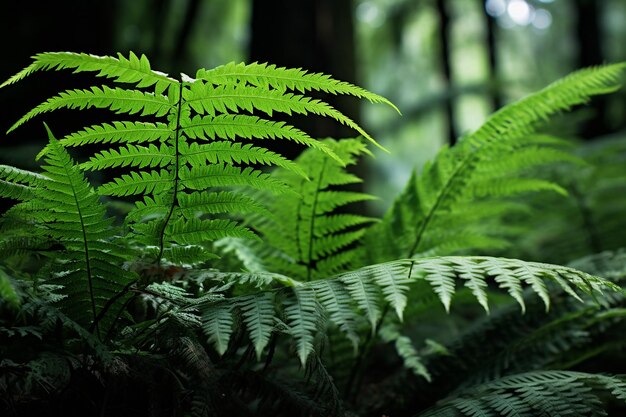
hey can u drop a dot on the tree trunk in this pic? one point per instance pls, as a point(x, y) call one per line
point(590, 53)
point(444, 53)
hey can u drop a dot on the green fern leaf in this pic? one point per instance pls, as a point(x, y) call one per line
point(116, 132)
point(234, 153)
point(189, 231)
point(18, 184)
point(305, 239)
point(143, 182)
point(217, 324)
point(115, 99)
point(303, 317)
point(393, 279)
point(258, 316)
point(493, 163)
point(220, 175)
point(535, 393)
point(136, 156)
point(9, 295)
point(89, 271)
point(337, 303)
point(405, 349)
point(366, 294)
point(282, 79)
point(228, 99)
point(165, 159)
point(133, 69)
point(229, 126)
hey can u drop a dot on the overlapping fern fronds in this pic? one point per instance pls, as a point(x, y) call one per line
point(303, 234)
point(185, 159)
point(571, 334)
point(458, 201)
point(346, 298)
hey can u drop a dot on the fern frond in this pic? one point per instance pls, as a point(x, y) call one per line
point(337, 302)
point(231, 127)
point(189, 231)
point(258, 316)
point(89, 270)
point(537, 393)
point(521, 118)
point(217, 323)
point(137, 183)
point(131, 155)
point(405, 349)
point(18, 184)
point(222, 175)
point(364, 292)
point(9, 295)
point(234, 153)
point(493, 163)
point(305, 238)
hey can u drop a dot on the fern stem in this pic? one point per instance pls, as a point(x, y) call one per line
point(312, 223)
point(87, 255)
point(176, 175)
point(109, 304)
point(441, 196)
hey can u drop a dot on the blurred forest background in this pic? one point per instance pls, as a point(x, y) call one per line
point(447, 64)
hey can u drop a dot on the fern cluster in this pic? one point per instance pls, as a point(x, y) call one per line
point(184, 165)
point(234, 259)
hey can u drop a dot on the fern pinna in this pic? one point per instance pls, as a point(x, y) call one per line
point(184, 165)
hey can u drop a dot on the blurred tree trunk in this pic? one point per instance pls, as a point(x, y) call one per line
point(315, 35)
point(492, 54)
point(444, 54)
point(588, 34)
point(318, 36)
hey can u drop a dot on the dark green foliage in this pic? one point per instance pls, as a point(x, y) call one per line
point(88, 305)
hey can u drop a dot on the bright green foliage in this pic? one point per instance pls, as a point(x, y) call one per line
point(554, 393)
point(197, 144)
point(459, 200)
point(303, 235)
